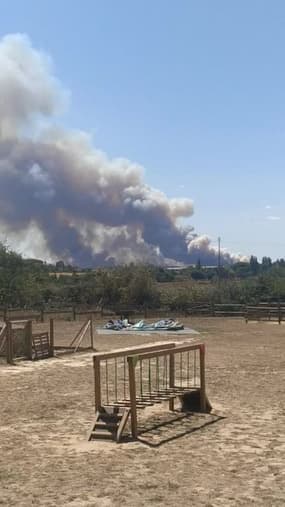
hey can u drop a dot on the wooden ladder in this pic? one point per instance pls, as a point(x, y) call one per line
point(109, 423)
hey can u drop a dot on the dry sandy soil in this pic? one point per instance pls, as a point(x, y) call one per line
point(234, 456)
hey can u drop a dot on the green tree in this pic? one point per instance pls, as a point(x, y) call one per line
point(141, 290)
point(266, 263)
point(254, 265)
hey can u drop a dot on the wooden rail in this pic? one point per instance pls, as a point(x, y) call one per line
point(265, 312)
point(199, 308)
point(261, 311)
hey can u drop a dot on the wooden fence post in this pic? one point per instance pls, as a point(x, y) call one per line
point(91, 332)
point(97, 383)
point(279, 313)
point(73, 313)
point(202, 379)
point(171, 378)
point(133, 399)
point(51, 337)
point(29, 340)
point(42, 318)
point(9, 343)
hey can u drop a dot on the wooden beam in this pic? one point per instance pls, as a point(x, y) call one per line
point(134, 350)
point(3, 336)
point(51, 337)
point(9, 343)
point(171, 378)
point(203, 399)
point(132, 387)
point(97, 383)
point(176, 349)
point(122, 424)
point(29, 340)
point(78, 334)
point(91, 332)
point(82, 335)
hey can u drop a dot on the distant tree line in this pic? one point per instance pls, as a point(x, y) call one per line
point(31, 283)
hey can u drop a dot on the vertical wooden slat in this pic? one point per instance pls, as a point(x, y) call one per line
point(107, 381)
point(97, 383)
point(141, 378)
point(157, 373)
point(29, 340)
point(125, 378)
point(132, 384)
point(188, 369)
point(202, 379)
point(279, 313)
point(9, 343)
point(171, 378)
point(91, 332)
point(181, 369)
point(116, 379)
point(149, 376)
point(51, 337)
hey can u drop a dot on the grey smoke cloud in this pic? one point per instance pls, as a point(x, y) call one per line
point(77, 203)
point(28, 88)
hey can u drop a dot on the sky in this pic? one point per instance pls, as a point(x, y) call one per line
point(191, 90)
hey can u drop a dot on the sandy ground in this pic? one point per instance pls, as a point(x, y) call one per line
point(234, 456)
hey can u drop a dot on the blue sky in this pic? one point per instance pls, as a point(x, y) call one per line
point(192, 90)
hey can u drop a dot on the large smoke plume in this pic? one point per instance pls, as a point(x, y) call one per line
point(62, 199)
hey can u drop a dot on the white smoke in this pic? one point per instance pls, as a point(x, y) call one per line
point(200, 247)
point(28, 89)
point(69, 199)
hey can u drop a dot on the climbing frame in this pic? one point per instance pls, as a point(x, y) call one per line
point(139, 377)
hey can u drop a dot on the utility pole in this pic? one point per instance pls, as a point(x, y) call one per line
point(219, 262)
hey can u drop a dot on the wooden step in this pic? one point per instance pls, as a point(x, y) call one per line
point(106, 425)
point(101, 434)
point(109, 424)
point(112, 411)
point(110, 418)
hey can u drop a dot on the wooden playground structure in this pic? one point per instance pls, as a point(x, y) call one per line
point(18, 341)
point(127, 380)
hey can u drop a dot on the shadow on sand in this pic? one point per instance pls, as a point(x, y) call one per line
point(156, 434)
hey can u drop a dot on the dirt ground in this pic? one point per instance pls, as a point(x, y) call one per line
point(234, 456)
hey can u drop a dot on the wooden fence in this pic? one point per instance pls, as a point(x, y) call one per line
point(265, 312)
point(17, 341)
point(207, 309)
point(261, 311)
